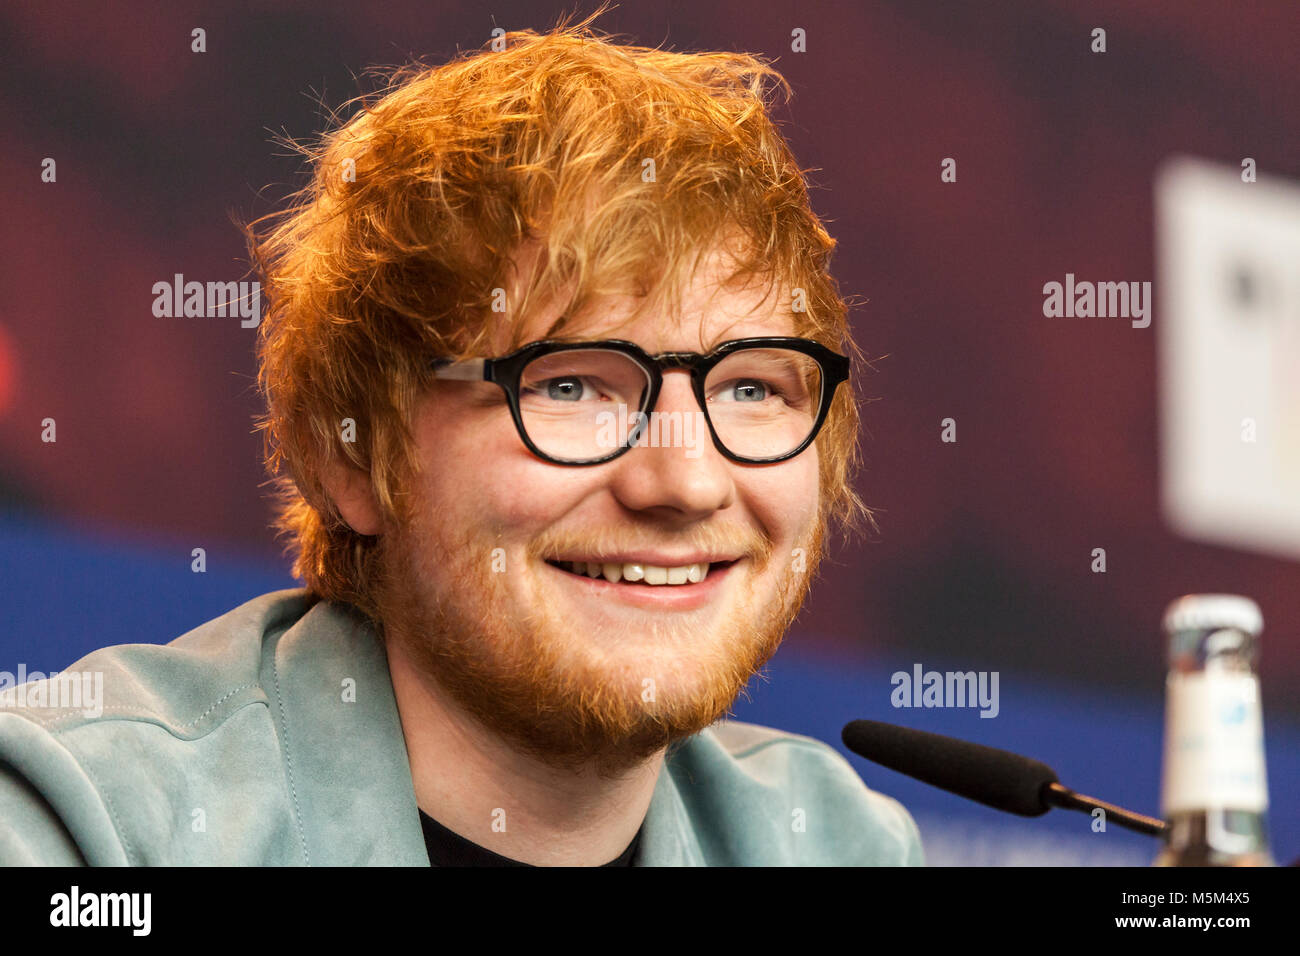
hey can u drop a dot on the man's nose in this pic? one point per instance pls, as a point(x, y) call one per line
point(674, 466)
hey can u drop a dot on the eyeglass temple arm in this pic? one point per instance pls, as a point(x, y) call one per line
point(470, 370)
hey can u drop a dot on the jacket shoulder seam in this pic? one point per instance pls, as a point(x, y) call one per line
point(815, 746)
point(63, 723)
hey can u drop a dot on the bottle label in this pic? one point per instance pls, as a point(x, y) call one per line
point(1214, 744)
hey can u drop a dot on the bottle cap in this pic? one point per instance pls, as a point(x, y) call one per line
point(1197, 612)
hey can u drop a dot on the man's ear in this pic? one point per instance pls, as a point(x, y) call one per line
point(354, 497)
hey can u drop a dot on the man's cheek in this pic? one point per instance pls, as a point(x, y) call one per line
point(787, 501)
point(530, 498)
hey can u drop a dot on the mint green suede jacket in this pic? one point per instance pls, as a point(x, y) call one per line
point(270, 736)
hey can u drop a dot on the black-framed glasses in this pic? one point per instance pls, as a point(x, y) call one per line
point(762, 399)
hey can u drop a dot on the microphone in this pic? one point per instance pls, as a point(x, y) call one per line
point(995, 778)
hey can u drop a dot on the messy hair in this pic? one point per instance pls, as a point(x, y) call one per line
point(389, 256)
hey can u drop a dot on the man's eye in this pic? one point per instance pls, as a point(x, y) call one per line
point(744, 390)
point(570, 389)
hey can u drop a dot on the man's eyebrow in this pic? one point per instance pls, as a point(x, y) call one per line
point(555, 326)
point(563, 321)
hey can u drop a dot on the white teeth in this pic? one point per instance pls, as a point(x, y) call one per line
point(649, 573)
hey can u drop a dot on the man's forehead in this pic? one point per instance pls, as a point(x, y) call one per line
point(692, 330)
point(711, 310)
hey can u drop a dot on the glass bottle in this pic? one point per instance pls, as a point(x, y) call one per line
point(1214, 791)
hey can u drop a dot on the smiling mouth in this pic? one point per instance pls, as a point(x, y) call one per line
point(643, 574)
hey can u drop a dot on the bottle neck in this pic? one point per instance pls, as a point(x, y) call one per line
point(1217, 837)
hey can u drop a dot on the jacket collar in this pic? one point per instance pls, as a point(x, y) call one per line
point(345, 753)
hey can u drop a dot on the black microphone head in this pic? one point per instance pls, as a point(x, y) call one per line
point(996, 778)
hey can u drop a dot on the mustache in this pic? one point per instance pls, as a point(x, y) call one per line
point(739, 541)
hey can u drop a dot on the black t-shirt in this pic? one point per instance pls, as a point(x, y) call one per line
point(447, 848)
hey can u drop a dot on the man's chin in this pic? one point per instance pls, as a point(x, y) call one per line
point(572, 702)
point(576, 676)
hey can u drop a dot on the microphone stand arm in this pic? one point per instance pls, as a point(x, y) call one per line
point(1061, 796)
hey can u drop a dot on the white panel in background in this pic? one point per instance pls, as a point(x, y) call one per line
point(1227, 300)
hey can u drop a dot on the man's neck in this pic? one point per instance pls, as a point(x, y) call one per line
point(475, 784)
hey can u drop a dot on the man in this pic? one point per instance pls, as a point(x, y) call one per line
point(558, 407)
